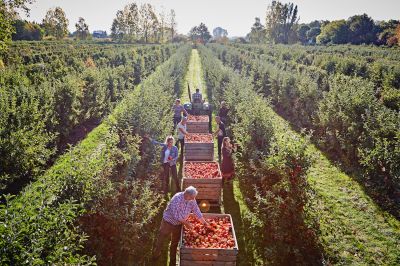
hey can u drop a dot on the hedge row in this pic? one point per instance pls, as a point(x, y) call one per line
point(272, 168)
point(305, 210)
point(105, 180)
point(382, 72)
point(51, 101)
point(347, 120)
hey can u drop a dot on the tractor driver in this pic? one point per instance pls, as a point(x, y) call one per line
point(197, 97)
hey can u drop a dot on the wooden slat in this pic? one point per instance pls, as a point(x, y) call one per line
point(203, 158)
point(207, 257)
point(202, 263)
point(197, 127)
point(203, 182)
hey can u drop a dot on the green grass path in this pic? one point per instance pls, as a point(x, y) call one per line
point(353, 229)
point(194, 77)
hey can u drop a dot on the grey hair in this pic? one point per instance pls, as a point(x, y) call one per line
point(192, 191)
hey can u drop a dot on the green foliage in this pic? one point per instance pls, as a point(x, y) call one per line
point(82, 29)
point(27, 31)
point(40, 225)
point(301, 92)
point(312, 34)
point(53, 93)
point(273, 165)
point(334, 32)
point(56, 23)
point(257, 33)
point(302, 33)
point(335, 203)
point(281, 22)
point(136, 23)
point(8, 13)
point(362, 29)
point(6, 28)
point(200, 34)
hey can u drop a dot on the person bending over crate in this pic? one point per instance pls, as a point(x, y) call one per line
point(178, 210)
point(169, 156)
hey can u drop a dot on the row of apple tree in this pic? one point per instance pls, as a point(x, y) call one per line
point(53, 95)
point(376, 67)
point(271, 166)
point(99, 202)
point(346, 118)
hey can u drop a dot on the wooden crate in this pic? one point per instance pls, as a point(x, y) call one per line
point(199, 151)
point(208, 188)
point(198, 127)
point(208, 256)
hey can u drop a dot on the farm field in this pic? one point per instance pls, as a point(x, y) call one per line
point(109, 156)
point(319, 201)
point(53, 95)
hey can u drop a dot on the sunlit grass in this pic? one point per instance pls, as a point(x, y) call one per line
point(194, 77)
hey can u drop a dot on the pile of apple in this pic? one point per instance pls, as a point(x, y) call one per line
point(218, 234)
point(201, 170)
point(198, 118)
point(199, 138)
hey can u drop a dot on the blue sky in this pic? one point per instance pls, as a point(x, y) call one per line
point(236, 16)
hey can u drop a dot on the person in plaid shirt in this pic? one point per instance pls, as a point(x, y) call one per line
point(178, 210)
point(197, 97)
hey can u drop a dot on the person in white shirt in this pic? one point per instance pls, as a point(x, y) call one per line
point(181, 128)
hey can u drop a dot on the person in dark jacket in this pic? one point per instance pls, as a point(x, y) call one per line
point(169, 156)
point(220, 133)
point(223, 112)
point(227, 165)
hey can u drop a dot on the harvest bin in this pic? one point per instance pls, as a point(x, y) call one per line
point(199, 151)
point(208, 188)
point(194, 126)
point(208, 256)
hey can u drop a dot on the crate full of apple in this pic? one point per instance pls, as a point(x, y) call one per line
point(206, 177)
point(198, 124)
point(199, 147)
point(214, 244)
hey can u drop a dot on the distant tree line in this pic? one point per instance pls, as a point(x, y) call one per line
point(54, 26)
point(8, 13)
point(282, 26)
point(143, 24)
point(132, 24)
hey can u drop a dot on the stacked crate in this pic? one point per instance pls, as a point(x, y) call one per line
point(199, 149)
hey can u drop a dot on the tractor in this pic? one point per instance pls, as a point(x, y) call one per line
point(197, 106)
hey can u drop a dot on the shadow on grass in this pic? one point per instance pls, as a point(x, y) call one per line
point(386, 196)
point(234, 206)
